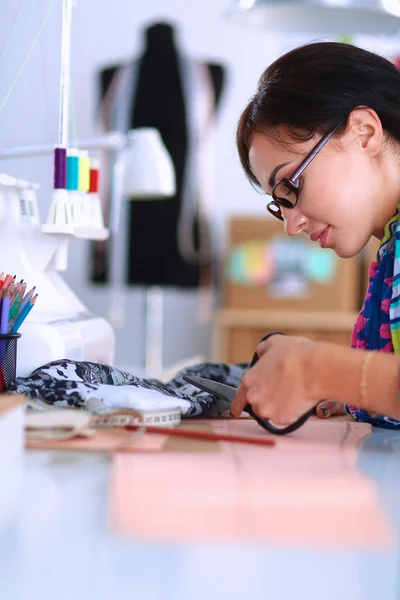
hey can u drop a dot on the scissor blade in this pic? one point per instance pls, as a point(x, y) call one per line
point(220, 390)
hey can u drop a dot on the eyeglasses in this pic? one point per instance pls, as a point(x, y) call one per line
point(286, 191)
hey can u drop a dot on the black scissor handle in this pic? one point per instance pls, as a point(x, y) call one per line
point(279, 430)
point(267, 424)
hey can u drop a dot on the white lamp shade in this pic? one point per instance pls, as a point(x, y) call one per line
point(148, 171)
point(330, 17)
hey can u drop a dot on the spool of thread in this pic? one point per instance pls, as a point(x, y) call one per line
point(60, 168)
point(84, 171)
point(72, 169)
point(94, 177)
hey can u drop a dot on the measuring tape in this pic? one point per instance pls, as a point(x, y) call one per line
point(161, 418)
point(49, 422)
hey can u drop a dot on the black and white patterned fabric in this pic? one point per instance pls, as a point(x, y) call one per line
point(77, 384)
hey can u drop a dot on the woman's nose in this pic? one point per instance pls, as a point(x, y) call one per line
point(294, 221)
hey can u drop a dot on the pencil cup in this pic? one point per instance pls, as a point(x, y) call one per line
point(8, 359)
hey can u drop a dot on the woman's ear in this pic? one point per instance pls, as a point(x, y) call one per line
point(366, 129)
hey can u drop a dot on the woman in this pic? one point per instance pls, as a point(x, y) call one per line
point(321, 137)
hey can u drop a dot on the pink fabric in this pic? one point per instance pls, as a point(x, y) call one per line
point(306, 490)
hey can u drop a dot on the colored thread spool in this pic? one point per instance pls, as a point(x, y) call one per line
point(60, 168)
point(94, 177)
point(72, 169)
point(84, 171)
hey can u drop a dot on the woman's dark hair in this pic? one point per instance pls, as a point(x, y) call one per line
point(313, 88)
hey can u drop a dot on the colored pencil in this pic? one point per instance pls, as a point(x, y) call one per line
point(7, 281)
point(18, 304)
point(23, 314)
point(5, 307)
point(27, 297)
point(14, 305)
point(22, 288)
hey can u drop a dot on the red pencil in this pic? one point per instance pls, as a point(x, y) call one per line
point(7, 281)
point(204, 435)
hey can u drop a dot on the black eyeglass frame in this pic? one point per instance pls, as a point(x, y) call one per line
point(292, 182)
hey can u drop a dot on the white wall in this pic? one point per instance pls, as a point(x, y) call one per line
point(106, 32)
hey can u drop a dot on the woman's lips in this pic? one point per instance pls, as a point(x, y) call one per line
point(321, 236)
point(323, 240)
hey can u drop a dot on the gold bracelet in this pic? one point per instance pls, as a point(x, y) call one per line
point(363, 378)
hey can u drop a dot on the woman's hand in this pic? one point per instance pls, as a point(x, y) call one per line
point(283, 384)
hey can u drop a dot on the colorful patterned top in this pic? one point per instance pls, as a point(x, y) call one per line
point(378, 324)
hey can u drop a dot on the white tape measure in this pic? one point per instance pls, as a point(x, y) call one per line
point(155, 418)
point(64, 423)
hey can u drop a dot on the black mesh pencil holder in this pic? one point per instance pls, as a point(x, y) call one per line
point(8, 359)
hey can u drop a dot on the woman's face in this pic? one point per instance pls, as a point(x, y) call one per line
point(341, 191)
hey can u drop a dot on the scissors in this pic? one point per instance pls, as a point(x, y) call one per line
point(226, 393)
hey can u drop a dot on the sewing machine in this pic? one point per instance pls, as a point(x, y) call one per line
point(60, 326)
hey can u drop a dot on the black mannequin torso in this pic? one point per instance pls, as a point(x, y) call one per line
point(159, 103)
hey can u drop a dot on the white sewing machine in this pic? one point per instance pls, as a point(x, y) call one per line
point(60, 326)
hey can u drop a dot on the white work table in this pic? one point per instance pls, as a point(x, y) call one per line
point(60, 548)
